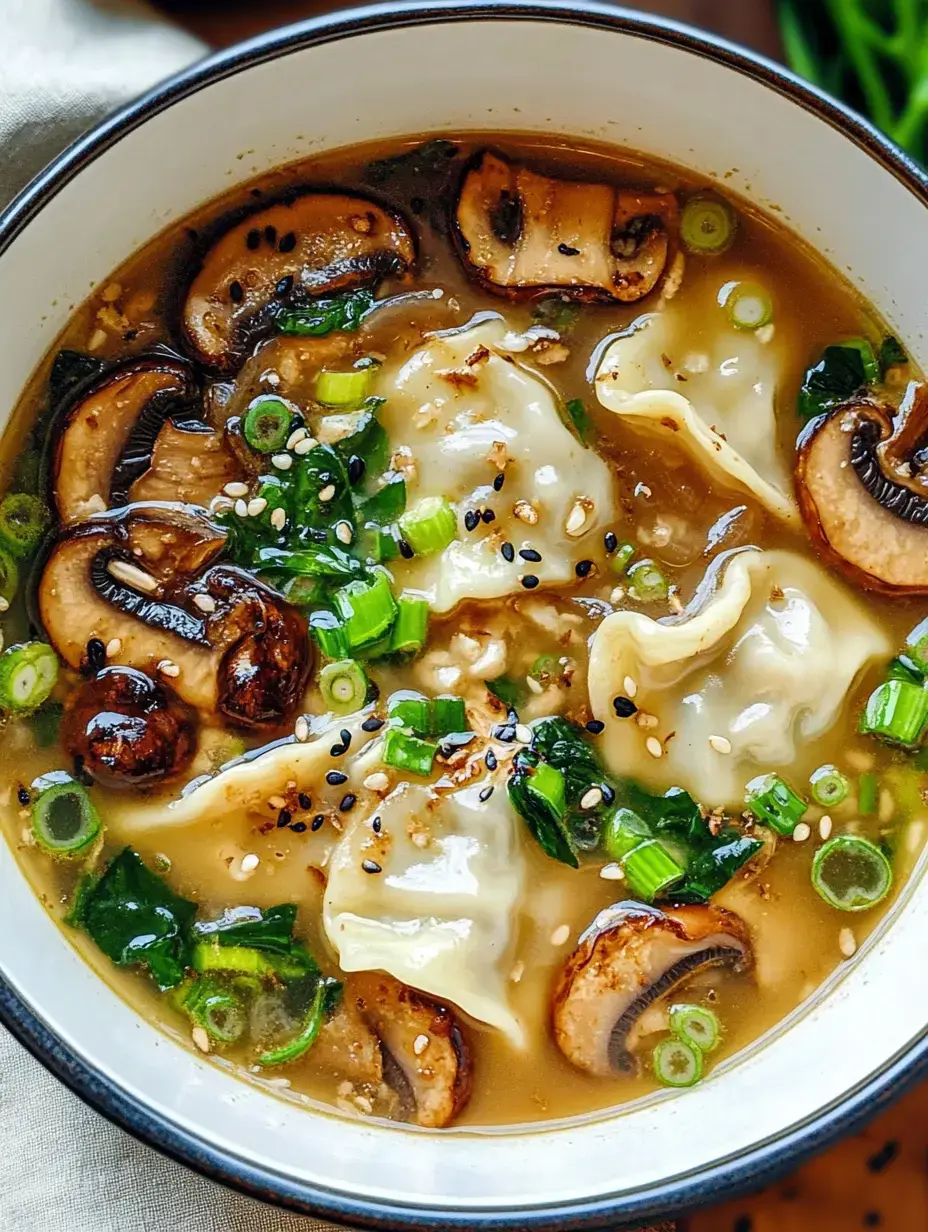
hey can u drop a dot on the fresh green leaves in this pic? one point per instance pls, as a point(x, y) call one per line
point(270, 930)
point(843, 371)
point(580, 419)
point(892, 354)
point(539, 799)
point(556, 313)
point(322, 316)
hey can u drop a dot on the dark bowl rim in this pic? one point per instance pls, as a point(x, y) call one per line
point(725, 1179)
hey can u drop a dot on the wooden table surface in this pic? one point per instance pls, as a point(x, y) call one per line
point(878, 1179)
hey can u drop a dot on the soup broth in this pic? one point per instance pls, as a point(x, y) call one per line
point(459, 469)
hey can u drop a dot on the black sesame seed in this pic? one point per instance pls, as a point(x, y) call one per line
point(471, 520)
point(236, 292)
point(298, 827)
point(253, 238)
point(372, 724)
point(356, 468)
point(529, 581)
point(608, 793)
point(624, 707)
point(509, 552)
point(304, 801)
point(872, 1219)
point(566, 251)
point(486, 793)
point(406, 550)
point(347, 802)
point(284, 287)
point(488, 516)
point(95, 654)
point(506, 732)
point(490, 760)
point(610, 540)
point(337, 750)
point(530, 554)
point(345, 735)
point(376, 825)
point(22, 795)
point(498, 482)
point(884, 1156)
point(582, 568)
point(284, 817)
point(371, 866)
point(595, 727)
point(317, 822)
point(743, 1223)
point(335, 778)
point(270, 234)
point(287, 242)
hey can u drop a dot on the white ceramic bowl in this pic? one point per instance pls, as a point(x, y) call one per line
point(587, 72)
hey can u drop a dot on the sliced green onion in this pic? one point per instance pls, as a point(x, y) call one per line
point(218, 1010)
point(650, 869)
point(344, 686)
point(448, 715)
point(429, 526)
point(747, 305)
point(411, 627)
point(211, 956)
point(330, 634)
point(22, 520)
point(9, 575)
point(868, 794)
point(408, 753)
point(646, 582)
point(548, 784)
point(28, 672)
point(829, 786)
point(677, 1063)
point(412, 710)
point(851, 873)
point(621, 557)
point(708, 225)
point(696, 1026)
point(624, 832)
point(268, 423)
point(64, 820)
point(774, 802)
point(897, 712)
point(301, 1043)
point(367, 609)
point(545, 669)
point(344, 388)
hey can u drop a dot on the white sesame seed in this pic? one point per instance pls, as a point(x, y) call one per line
point(327, 492)
point(4, 604)
point(200, 1038)
point(297, 435)
point(419, 1044)
point(575, 519)
point(343, 532)
point(132, 575)
point(241, 509)
point(219, 504)
point(301, 729)
point(646, 720)
point(525, 512)
point(560, 934)
point(276, 803)
point(523, 734)
point(305, 445)
point(630, 687)
point(378, 781)
point(612, 872)
point(167, 668)
point(515, 974)
point(279, 518)
point(617, 594)
point(720, 743)
point(256, 506)
point(591, 798)
point(206, 603)
point(824, 827)
point(113, 647)
point(534, 686)
point(282, 461)
point(654, 746)
point(250, 862)
point(847, 943)
point(236, 489)
point(802, 832)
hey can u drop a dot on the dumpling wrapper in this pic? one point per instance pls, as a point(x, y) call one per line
point(726, 422)
point(441, 917)
point(451, 415)
point(766, 662)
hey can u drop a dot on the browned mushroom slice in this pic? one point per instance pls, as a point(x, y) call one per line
point(346, 1045)
point(631, 956)
point(190, 463)
point(316, 244)
point(98, 430)
point(523, 234)
point(424, 1040)
point(862, 497)
point(127, 729)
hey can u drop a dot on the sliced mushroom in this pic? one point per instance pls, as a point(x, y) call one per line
point(424, 1040)
point(631, 956)
point(316, 244)
point(127, 729)
point(224, 641)
point(861, 494)
point(190, 463)
point(522, 234)
point(346, 1045)
point(130, 400)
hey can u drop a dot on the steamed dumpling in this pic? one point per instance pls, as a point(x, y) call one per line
point(726, 421)
point(766, 662)
point(460, 408)
point(441, 915)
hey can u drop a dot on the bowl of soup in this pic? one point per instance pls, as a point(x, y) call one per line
point(464, 611)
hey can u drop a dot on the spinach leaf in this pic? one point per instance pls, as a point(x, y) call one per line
point(892, 353)
point(270, 929)
point(322, 316)
point(510, 692)
point(369, 440)
point(386, 503)
point(838, 376)
point(310, 561)
point(136, 919)
point(556, 313)
point(579, 417)
point(543, 816)
point(708, 872)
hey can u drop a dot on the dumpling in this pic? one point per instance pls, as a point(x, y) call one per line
point(439, 916)
point(460, 408)
point(765, 660)
point(727, 420)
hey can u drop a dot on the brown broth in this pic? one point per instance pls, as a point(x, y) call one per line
point(796, 932)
